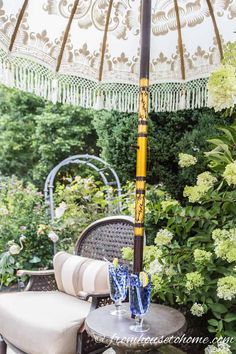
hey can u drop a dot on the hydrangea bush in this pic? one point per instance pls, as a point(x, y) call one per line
point(193, 259)
point(222, 82)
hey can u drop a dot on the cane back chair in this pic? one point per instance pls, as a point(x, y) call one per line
point(104, 238)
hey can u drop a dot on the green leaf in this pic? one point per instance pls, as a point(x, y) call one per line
point(220, 326)
point(218, 308)
point(211, 329)
point(217, 315)
point(230, 333)
point(213, 322)
point(230, 317)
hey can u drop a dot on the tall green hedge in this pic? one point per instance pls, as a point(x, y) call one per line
point(169, 134)
point(35, 135)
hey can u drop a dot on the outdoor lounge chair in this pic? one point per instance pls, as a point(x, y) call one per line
point(48, 317)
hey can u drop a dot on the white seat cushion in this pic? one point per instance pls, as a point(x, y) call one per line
point(42, 322)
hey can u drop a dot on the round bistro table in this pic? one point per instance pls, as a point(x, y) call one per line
point(113, 331)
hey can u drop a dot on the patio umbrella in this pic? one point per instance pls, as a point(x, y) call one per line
point(127, 55)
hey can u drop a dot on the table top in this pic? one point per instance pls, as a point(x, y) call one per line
point(164, 322)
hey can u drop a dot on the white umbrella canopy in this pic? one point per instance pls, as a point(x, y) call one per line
point(87, 52)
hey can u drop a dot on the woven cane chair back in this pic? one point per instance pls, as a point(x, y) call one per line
point(106, 238)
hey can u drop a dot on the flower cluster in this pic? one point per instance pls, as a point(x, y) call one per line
point(186, 160)
point(221, 348)
point(151, 253)
point(226, 288)
point(222, 88)
point(201, 256)
point(170, 271)
point(230, 173)
point(225, 244)
point(167, 203)
point(127, 254)
point(194, 280)
point(3, 211)
point(197, 310)
point(205, 181)
point(194, 193)
point(155, 267)
point(163, 237)
point(157, 283)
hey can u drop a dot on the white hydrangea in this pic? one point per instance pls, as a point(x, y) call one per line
point(155, 267)
point(197, 310)
point(186, 160)
point(222, 88)
point(226, 288)
point(206, 179)
point(221, 348)
point(230, 173)
point(163, 237)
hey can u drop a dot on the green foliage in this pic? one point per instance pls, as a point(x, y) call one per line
point(26, 233)
point(61, 131)
point(193, 262)
point(81, 201)
point(21, 213)
point(169, 135)
point(36, 135)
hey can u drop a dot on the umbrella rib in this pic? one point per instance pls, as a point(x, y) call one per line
point(104, 42)
point(66, 34)
point(216, 29)
point(18, 23)
point(180, 40)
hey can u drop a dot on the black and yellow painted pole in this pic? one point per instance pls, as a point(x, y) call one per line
point(141, 167)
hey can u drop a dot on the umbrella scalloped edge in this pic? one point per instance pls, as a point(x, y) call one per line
point(29, 76)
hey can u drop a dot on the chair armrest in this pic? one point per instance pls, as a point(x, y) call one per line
point(85, 295)
point(42, 280)
point(22, 272)
point(98, 299)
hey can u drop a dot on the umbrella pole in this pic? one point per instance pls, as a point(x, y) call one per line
point(141, 164)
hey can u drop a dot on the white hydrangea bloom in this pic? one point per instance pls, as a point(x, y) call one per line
point(222, 88)
point(155, 267)
point(230, 173)
point(186, 160)
point(226, 288)
point(197, 309)
point(206, 179)
point(163, 237)
point(219, 348)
